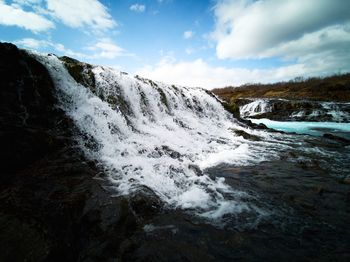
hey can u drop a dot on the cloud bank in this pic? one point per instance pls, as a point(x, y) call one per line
point(198, 73)
point(80, 13)
point(250, 29)
point(87, 14)
point(13, 15)
point(313, 36)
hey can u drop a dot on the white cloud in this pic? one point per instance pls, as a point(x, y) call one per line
point(81, 13)
point(13, 15)
point(32, 43)
point(189, 50)
point(188, 34)
point(199, 73)
point(256, 29)
point(36, 44)
point(138, 8)
point(105, 48)
point(76, 14)
point(27, 2)
point(328, 39)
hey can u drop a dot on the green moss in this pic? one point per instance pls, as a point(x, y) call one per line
point(112, 101)
point(163, 98)
point(81, 72)
point(123, 105)
point(153, 84)
point(232, 107)
point(245, 135)
point(175, 88)
point(144, 102)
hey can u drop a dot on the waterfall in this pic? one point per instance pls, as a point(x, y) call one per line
point(163, 137)
point(299, 110)
point(257, 107)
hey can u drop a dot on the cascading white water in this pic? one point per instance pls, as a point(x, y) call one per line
point(257, 107)
point(340, 112)
point(320, 111)
point(160, 136)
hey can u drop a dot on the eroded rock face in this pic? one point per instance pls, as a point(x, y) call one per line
point(51, 207)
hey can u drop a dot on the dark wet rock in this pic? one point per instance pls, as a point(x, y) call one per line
point(245, 135)
point(309, 209)
point(52, 208)
point(248, 123)
point(196, 169)
point(337, 138)
point(165, 150)
point(346, 180)
point(81, 72)
point(232, 108)
point(145, 203)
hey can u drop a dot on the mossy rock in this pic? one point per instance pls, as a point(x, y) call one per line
point(245, 135)
point(81, 72)
point(233, 108)
point(163, 98)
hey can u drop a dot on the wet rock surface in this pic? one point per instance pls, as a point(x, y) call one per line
point(337, 138)
point(51, 206)
point(309, 211)
point(307, 221)
point(55, 204)
point(245, 135)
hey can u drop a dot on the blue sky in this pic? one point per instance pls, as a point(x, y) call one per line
point(207, 43)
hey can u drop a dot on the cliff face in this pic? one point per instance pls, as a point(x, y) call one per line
point(51, 207)
point(55, 204)
point(28, 116)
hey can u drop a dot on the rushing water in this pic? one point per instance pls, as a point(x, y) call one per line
point(147, 134)
point(256, 107)
point(310, 128)
point(296, 110)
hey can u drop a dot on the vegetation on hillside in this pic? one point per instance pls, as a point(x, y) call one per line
point(333, 88)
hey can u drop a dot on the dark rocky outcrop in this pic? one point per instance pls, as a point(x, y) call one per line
point(51, 207)
point(81, 72)
point(245, 135)
point(337, 138)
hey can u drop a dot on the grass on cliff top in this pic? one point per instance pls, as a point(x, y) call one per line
point(333, 88)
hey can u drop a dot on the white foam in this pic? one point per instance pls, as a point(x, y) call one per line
point(154, 135)
point(256, 107)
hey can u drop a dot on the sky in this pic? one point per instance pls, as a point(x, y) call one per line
point(204, 43)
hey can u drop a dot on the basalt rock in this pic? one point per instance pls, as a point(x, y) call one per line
point(52, 208)
point(245, 135)
point(337, 138)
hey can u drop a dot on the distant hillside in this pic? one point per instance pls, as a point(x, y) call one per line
point(333, 88)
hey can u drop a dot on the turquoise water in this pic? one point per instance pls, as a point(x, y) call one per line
point(310, 128)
